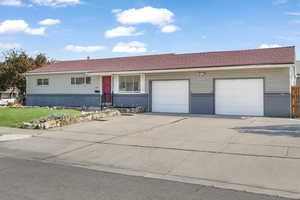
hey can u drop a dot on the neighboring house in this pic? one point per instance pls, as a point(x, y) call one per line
point(247, 82)
point(10, 93)
point(8, 96)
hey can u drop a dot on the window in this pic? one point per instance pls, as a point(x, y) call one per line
point(44, 81)
point(129, 83)
point(80, 80)
point(88, 80)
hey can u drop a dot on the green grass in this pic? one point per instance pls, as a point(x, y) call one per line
point(14, 117)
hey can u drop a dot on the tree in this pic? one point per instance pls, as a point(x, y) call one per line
point(15, 64)
point(41, 60)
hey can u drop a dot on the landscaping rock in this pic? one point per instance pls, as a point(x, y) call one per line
point(50, 124)
point(27, 126)
point(138, 109)
point(59, 120)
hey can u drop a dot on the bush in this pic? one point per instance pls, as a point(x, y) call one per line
point(21, 99)
point(10, 103)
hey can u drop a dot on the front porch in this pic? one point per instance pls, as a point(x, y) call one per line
point(122, 91)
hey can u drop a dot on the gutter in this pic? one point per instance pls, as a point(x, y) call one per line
point(62, 72)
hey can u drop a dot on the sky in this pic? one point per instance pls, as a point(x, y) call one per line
point(76, 29)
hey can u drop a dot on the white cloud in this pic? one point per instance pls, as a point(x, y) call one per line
point(20, 26)
point(116, 10)
point(10, 3)
point(263, 46)
point(169, 28)
point(131, 47)
point(80, 49)
point(155, 16)
point(122, 31)
point(294, 22)
point(56, 3)
point(293, 13)
point(49, 22)
point(161, 17)
point(278, 2)
point(9, 46)
point(36, 31)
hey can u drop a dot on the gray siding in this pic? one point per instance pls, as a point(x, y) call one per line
point(277, 104)
point(202, 103)
point(131, 100)
point(67, 100)
point(298, 81)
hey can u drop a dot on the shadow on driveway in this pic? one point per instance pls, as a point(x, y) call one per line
point(275, 130)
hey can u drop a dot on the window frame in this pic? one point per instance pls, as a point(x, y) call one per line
point(86, 80)
point(81, 80)
point(42, 82)
point(131, 91)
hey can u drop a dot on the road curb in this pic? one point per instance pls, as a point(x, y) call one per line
point(191, 180)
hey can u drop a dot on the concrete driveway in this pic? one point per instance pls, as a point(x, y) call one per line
point(253, 154)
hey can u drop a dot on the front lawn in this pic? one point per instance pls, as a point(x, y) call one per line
point(14, 117)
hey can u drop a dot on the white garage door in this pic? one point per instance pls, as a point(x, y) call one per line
point(239, 97)
point(170, 96)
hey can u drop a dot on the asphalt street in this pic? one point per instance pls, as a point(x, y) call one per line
point(22, 179)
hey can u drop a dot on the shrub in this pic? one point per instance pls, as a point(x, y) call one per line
point(21, 99)
point(10, 103)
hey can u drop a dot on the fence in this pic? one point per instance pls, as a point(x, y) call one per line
point(295, 101)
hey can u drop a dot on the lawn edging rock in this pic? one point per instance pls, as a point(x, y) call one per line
point(59, 120)
point(138, 109)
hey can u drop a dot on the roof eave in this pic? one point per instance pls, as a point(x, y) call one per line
point(55, 72)
point(229, 67)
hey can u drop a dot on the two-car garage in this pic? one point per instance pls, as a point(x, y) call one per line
point(231, 96)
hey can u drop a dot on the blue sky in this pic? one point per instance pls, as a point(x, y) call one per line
point(75, 29)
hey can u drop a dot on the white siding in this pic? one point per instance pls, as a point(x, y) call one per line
point(61, 84)
point(116, 84)
point(293, 76)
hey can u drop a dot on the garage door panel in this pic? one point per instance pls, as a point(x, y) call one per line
point(239, 97)
point(170, 96)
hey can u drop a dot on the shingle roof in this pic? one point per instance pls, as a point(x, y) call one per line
point(282, 55)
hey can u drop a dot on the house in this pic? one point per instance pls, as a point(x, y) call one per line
point(247, 82)
point(10, 93)
point(8, 96)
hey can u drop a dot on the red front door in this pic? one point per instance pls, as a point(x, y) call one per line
point(106, 89)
